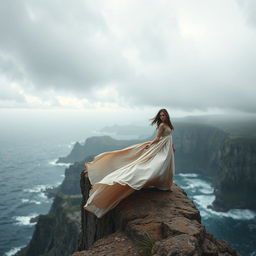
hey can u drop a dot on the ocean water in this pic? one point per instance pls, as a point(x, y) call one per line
point(236, 226)
point(27, 167)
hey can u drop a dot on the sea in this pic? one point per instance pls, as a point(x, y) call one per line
point(28, 166)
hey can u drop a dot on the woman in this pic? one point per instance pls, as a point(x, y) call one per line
point(116, 174)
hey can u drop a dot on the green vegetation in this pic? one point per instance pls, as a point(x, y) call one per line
point(145, 244)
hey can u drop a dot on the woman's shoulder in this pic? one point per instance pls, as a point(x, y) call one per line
point(162, 125)
point(166, 126)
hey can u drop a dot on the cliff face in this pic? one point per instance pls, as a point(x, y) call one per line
point(149, 222)
point(170, 218)
point(236, 184)
point(198, 148)
point(57, 233)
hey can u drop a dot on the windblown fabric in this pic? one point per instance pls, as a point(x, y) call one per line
point(115, 175)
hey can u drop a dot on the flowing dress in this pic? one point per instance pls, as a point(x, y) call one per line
point(116, 174)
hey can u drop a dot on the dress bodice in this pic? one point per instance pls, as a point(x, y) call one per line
point(167, 131)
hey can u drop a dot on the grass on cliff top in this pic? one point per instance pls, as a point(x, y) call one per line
point(145, 244)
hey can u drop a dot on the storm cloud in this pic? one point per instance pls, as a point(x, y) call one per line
point(185, 55)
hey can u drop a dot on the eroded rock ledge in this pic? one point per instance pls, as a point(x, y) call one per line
point(171, 218)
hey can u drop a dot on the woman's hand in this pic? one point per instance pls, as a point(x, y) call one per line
point(147, 146)
point(174, 149)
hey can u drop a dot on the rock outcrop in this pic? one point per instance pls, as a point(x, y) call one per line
point(236, 183)
point(167, 223)
point(148, 222)
point(57, 233)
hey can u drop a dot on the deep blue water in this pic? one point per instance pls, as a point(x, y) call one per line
point(237, 226)
point(27, 167)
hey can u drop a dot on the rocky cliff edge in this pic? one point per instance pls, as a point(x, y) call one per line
point(148, 222)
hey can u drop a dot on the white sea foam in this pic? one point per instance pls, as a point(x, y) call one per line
point(53, 162)
point(189, 175)
point(13, 251)
point(40, 190)
point(237, 214)
point(209, 190)
point(25, 220)
point(200, 183)
point(36, 189)
point(204, 214)
point(190, 187)
point(193, 184)
point(204, 200)
point(25, 200)
point(42, 195)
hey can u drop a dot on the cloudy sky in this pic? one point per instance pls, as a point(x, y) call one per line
point(126, 55)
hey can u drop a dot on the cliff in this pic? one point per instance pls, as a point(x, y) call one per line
point(57, 233)
point(236, 184)
point(198, 148)
point(148, 222)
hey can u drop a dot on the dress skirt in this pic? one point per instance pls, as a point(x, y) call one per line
point(116, 174)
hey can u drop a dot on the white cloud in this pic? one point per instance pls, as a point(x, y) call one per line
point(185, 55)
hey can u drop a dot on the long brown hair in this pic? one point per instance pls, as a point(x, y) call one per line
point(157, 119)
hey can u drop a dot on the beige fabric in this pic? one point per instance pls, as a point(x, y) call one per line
point(116, 174)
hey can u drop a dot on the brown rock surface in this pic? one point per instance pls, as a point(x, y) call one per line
point(171, 218)
point(115, 244)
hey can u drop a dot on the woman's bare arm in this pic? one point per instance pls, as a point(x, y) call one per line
point(159, 134)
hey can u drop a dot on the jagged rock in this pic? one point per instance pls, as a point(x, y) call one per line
point(113, 245)
point(170, 218)
point(51, 191)
point(35, 219)
point(70, 184)
point(182, 244)
point(57, 232)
